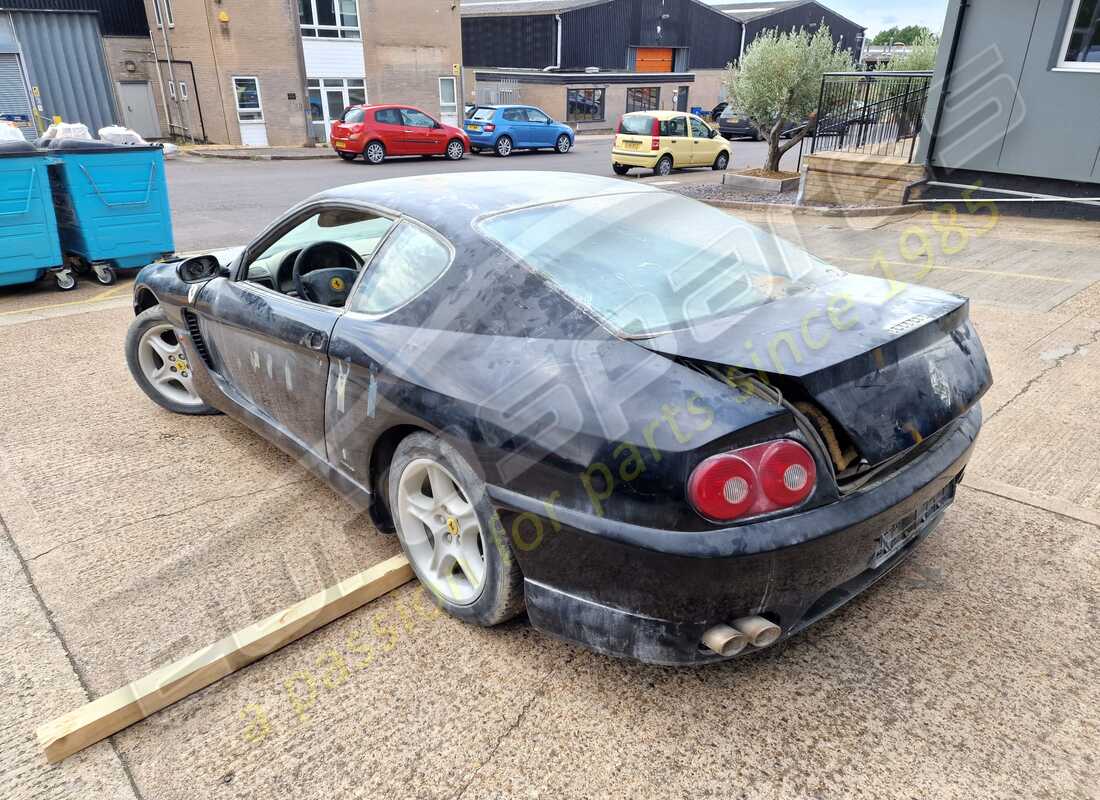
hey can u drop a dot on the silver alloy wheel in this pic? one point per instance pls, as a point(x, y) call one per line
point(563, 144)
point(375, 153)
point(504, 146)
point(664, 166)
point(441, 532)
point(723, 161)
point(164, 365)
point(455, 150)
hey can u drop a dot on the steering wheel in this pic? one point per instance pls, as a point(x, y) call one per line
point(329, 286)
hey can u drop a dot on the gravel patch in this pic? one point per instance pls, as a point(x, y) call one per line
point(718, 191)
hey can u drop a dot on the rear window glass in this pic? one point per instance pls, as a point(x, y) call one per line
point(483, 114)
point(640, 278)
point(637, 124)
point(353, 115)
point(729, 111)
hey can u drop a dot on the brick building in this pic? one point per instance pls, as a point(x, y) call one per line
point(278, 72)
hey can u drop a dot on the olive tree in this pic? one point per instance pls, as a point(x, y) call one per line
point(778, 82)
point(921, 56)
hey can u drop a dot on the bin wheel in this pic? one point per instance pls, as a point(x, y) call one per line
point(66, 281)
point(104, 274)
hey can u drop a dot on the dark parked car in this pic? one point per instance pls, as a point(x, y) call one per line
point(734, 124)
point(666, 433)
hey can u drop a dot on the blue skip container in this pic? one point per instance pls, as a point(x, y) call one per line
point(112, 205)
point(29, 242)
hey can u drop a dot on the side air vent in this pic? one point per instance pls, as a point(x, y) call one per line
point(196, 336)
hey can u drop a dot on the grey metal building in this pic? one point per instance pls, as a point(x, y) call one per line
point(52, 59)
point(1015, 100)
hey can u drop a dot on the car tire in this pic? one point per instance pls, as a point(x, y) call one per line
point(420, 460)
point(344, 154)
point(475, 149)
point(758, 136)
point(663, 165)
point(142, 357)
point(374, 152)
point(563, 144)
point(503, 146)
point(455, 150)
point(721, 161)
point(620, 169)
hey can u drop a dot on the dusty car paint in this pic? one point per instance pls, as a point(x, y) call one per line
point(546, 403)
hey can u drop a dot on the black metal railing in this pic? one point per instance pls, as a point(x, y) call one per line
point(877, 113)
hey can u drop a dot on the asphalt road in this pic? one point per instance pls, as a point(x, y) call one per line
point(219, 202)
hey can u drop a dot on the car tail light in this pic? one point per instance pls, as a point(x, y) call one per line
point(753, 480)
point(489, 128)
point(655, 144)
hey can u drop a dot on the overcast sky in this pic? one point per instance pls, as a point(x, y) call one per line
point(879, 14)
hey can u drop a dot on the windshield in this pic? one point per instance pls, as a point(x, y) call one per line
point(647, 263)
point(636, 124)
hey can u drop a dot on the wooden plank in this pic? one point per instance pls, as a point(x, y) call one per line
point(111, 713)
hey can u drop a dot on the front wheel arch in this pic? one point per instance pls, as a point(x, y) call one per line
point(144, 300)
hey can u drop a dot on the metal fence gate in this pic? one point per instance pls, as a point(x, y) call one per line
point(505, 92)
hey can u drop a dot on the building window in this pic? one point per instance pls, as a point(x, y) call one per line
point(167, 12)
point(643, 98)
point(329, 19)
point(584, 105)
point(448, 100)
point(1081, 46)
point(247, 93)
point(328, 98)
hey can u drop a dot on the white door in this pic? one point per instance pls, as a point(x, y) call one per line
point(139, 110)
point(250, 112)
point(448, 101)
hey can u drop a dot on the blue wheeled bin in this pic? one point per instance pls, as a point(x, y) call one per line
point(29, 242)
point(112, 205)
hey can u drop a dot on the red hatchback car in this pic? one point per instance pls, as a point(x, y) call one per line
point(380, 131)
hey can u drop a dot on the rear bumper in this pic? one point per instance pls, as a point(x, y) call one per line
point(481, 139)
point(605, 585)
point(634, 158)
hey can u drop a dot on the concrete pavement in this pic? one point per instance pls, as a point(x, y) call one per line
point(133, 537)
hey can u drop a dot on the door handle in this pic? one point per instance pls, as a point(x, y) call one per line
point(316, 341)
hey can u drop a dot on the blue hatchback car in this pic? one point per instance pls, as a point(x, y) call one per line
point(508, 128)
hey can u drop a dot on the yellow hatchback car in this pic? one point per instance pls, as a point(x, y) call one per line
point(661, 140)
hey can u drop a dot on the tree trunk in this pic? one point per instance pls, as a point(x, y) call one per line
point(774, 153)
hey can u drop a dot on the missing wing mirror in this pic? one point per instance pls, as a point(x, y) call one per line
point(198, 269)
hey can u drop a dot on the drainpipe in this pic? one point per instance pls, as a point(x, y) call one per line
point(945, 88)
point(160, 83)
point(162, 11)
point(557, 59)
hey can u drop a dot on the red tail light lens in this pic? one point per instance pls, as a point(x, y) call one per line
point(489, 128)
point(655, 132)
point(753, 480)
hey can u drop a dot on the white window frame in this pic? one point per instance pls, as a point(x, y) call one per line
point(259, 99)
point(323, 86)
point(1074, 66)
point(342, 30)
point(454, 93)
point(171, 90)
point(183, 92)
point(167, 10)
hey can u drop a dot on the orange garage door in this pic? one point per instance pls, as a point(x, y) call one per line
point(653, 59)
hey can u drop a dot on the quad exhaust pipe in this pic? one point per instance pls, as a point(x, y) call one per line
point(729, 640)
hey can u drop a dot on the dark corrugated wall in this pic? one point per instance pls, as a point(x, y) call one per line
point(843, 32)
point(599, 36)
point(64, 59)
point(117, 17)
point(529, 41)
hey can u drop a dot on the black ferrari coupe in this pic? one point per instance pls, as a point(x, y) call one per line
point(664, 432)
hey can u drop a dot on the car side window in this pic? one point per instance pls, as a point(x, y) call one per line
point(417, 119)
point(534, 115)
point(388, 116)
point(409, 262)
point(514, 115)
point(360, 230)
point(699, 129)
point(677, 126)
